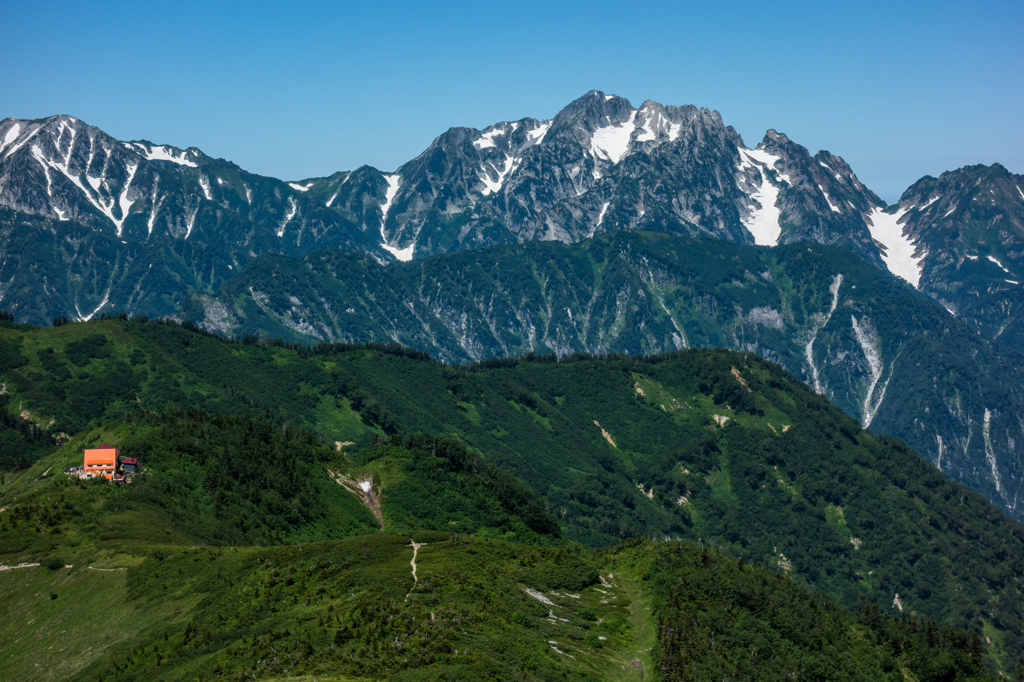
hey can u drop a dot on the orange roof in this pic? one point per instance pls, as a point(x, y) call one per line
point(101, 458)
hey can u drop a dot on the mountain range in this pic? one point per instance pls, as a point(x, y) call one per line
point(91, 225)
point(135, 227)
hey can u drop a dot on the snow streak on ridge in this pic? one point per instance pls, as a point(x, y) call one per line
point(292, 209)
point(763, 222)
point(899, 248)
point(394, 182)
point(612, 142)
point(160, 153)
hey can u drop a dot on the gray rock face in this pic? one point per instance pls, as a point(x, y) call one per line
point(147, 224)
point(94, 224)
point(99, 225)
point(602, 165)
point(966, 229)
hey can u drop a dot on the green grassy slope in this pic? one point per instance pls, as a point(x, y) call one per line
point(709, 446)
point(476, 609)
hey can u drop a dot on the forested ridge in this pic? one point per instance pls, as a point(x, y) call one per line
point(878, 349)
point(713, 447)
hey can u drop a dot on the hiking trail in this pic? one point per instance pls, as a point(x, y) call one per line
point(415, 549)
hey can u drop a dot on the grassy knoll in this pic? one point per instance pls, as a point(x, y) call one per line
point(478, 609)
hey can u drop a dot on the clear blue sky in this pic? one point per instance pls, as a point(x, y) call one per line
point(296, 90)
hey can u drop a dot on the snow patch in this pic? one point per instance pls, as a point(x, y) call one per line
point(86, 318)
point(493, 186)
point(487, 139)
point(404, 255)
point(104, 207)
point(536, 136)
point(338, 191)
point(996, 261)
point(123, 203)
point(21, 144)
point(1017, 186)
point(292, 210)
point(612, 142)
point(763, 222)
point(159, 153)
point(154, 205)
point(828, 200)
point(394, 181)
point(49, 193)
point(899, 249)
point(512, 159)
point(365, 486)
point(190, 218)
point(204, 182)
point(301, 188)
point(538, 596)
point(11, 136)
point(604, 209)
point(655, 121)
point(949, 211)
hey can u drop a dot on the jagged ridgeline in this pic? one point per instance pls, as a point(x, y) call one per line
point(879, 350)
point(135, 226)
point(710, 446)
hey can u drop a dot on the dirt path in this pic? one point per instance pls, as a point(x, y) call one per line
point(415, 549)
point(10, 568)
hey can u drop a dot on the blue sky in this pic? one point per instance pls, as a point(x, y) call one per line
point(303, 89)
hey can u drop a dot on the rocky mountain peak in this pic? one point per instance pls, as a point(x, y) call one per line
point(592, 112)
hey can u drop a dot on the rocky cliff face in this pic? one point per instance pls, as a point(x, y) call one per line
point(603, 165)
point(964, 233)
point(880, 351)
point(136, 226)
point(93, 224)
